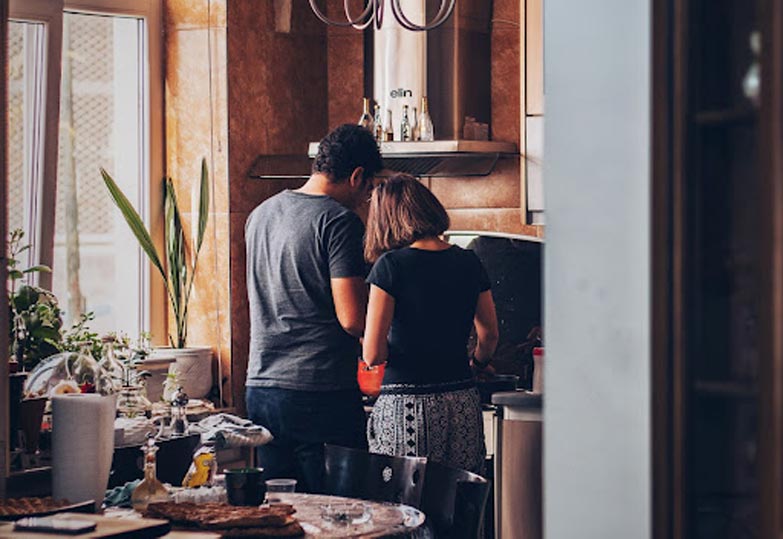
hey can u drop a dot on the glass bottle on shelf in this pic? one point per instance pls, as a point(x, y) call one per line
point(388, 134)
point(751, 82)
point(378, 124)
point(150, 489)
point(366, 120)
point(405, 125)
point(415, 125)
point(426, 132)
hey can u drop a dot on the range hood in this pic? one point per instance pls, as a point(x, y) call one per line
point(451, 66)
point(440, 158)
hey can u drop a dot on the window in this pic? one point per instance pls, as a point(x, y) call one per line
point(97, 265)
point(26, 56)
point(81, 89)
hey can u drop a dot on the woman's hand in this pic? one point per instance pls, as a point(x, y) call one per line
point(482, 372)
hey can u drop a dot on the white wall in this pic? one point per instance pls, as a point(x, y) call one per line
point(597, 276)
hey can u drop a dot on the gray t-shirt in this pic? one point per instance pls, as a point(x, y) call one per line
point(295, 244)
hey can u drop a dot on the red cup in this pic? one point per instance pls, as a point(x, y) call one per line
point(370, 378)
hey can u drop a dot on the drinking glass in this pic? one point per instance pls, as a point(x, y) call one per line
point(275, 487)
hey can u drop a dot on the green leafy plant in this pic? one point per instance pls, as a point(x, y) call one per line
point(180, 262)
point(79, 333)
point(34, 314)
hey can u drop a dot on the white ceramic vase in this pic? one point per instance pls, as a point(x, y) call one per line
point(193, 366)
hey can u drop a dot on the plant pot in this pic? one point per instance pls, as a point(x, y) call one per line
point(158, 367)
point(31, 413)
point(15, 390)
point(193, 366)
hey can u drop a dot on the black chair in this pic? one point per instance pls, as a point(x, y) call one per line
point(358, 474)
point(454, 501)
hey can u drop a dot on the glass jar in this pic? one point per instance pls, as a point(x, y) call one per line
point(85, 371)
point(111, 366)
point(132, 402)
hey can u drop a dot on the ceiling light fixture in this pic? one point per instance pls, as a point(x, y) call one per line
point(374, 12)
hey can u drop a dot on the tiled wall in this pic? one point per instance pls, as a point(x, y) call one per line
point(196, 128)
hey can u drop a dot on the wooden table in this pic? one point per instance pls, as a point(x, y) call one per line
point(387, 520)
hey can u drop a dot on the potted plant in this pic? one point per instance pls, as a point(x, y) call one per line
point(34, 314)
point(34, 328)
point(178, 272)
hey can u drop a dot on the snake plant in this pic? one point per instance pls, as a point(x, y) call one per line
point(180, 265)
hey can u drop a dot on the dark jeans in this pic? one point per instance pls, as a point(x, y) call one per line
point(301, 422)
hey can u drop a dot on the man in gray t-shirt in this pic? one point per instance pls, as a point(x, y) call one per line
point(307, 297)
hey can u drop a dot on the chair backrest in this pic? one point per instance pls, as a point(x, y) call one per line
point(359, 474)
point(454, 501)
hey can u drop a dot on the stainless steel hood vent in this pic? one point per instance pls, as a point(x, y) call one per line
point(440, 158)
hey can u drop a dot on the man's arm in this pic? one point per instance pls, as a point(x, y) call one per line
point(350, 303)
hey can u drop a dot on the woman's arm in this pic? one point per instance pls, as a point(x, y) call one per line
point(486, 322)
point(380, 309)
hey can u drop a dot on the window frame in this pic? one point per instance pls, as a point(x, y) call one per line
point(50, 13)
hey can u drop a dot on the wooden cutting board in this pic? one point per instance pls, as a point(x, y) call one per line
point(141, 528)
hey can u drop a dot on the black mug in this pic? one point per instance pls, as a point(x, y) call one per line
point(244, 486)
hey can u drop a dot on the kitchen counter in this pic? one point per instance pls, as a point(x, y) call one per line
point(518, 399)
point(518, 471)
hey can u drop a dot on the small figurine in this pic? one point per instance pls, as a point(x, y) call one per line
point(179, 418)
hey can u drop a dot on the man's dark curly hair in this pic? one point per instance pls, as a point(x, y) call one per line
point(345, 149)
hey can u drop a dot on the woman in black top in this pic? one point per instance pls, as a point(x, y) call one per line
point(425, 297)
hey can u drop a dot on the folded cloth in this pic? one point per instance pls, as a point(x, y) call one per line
point(120, 496)
point(227, 430)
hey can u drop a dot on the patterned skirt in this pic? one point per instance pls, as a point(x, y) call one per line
point(444, 426)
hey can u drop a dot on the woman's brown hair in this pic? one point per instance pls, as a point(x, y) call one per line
point(402, 211)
